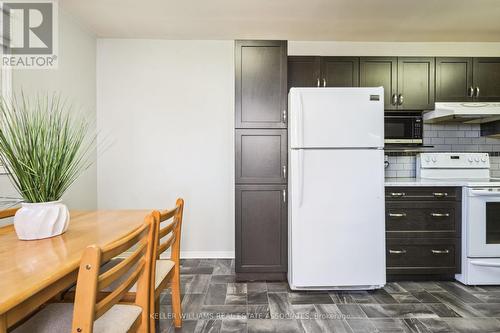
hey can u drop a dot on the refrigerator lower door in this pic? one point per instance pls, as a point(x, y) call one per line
point(336, 219)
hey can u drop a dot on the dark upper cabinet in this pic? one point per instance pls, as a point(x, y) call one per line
point(380, 71)
point(416, 83)
point(454, 79)
point(339, 72)
point(261, 156)
point(261, 84)
point(486, 79)
point(303, 71)
point(261, 228)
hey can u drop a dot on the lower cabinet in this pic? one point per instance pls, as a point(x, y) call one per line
point(261, 232)
point(423, 232)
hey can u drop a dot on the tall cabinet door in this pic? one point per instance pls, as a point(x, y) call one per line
point(416, 83)
point(339, 72)
point(486, 78)
point(261, 229)
point(380, 71)
point(261, 84)
point(303, 71)
point(454, 79)
point(261, 156)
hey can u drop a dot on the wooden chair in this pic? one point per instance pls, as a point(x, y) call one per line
point(167, 271)
point(91, 313)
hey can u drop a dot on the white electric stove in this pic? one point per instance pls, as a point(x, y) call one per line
point(480, 210)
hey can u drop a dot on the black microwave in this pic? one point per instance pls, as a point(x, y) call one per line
point(403, 129)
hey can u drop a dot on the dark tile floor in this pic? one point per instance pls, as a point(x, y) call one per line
point(214, 302)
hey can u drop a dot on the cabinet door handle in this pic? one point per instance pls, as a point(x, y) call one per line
point(284, 116)
point(398, 194)
point(440, 251)
point(440, 214)
point(394, 99)
point(324, 82)
point(477, 92)
point(471, 91)
point(401, 99)
point(284, 171)
point(317, 83)
point(397, 214)
point(284, 196)
point(397, 251)
point(440, 194)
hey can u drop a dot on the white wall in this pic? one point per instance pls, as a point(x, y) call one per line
point(165, 109)
point(75, 79)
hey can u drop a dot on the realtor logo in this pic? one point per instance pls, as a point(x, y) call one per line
point(29, 34)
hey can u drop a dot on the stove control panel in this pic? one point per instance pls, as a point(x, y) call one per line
point(454, 160)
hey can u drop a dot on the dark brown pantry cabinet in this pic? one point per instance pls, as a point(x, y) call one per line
point(261, 159)
point(408, 81)
point(261, 86)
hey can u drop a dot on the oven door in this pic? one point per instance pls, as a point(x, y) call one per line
point(483, 222)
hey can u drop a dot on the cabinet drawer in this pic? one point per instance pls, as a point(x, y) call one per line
point(420, 216)
point(422, 193)
point(433, 256)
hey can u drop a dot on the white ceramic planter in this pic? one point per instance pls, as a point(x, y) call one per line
point(41, 220)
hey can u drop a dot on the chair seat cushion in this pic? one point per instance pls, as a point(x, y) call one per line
point(58, 317)
point(163, 267)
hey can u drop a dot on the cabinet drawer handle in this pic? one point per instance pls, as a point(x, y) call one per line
point(440, 251)
point(397, 214)
point(440, 194)
point(398, 194)
point(440, 214)
point(397, 251)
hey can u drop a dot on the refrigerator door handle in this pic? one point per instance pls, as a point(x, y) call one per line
point(300, 124)
point(300, 173)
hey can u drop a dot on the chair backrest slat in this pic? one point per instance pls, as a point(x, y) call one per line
point(121, 268)
point(174, 228)
point(116, 295)
point(124, 244)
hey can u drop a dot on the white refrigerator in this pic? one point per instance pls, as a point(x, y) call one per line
point(336, 208)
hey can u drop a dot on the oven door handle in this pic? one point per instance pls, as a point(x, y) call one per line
point(485, 264)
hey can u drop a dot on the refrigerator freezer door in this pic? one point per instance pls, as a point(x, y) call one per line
point(336, 218)
point(336, 117)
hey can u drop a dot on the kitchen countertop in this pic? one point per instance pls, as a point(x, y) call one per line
point(424, 182)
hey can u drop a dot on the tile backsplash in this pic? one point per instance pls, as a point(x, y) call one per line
point(446, 138)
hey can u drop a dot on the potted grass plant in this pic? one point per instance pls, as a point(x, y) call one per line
point(44, 147)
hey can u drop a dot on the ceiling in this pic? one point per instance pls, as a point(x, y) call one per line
point(339, 20)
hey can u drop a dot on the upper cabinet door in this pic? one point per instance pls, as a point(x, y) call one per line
point(486, 79)
point(303, 71)
point(416, 83)
point(339, 72)
point(454, 79)
point(261, 84)
point(380, 71)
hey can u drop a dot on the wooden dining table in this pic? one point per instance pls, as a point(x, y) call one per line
point(34, 272)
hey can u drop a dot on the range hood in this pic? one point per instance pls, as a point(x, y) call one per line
point(467, 113)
